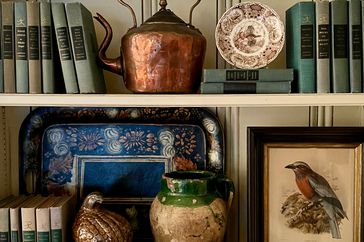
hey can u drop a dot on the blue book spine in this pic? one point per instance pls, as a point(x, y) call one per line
point(300, 40)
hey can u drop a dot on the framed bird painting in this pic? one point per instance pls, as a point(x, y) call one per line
point(305, 184)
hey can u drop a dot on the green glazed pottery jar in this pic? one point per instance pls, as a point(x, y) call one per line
point(191, 206)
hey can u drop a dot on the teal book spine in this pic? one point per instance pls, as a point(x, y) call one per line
point(7, 46)
point(84, 46)
point(300, 49)
point(21, 47)
point(220, 75)
point(355, 45)
point(246, 87)
point(64, 47)
point(339, 48)
point(46, 40)
point(34, 61)
point(323, 50)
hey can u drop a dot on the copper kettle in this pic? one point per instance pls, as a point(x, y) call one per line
point(163, 55)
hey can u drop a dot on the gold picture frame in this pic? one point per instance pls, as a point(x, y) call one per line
point(299, 178)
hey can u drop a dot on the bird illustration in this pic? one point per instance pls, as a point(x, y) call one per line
point(316, 189)
point(94, 223)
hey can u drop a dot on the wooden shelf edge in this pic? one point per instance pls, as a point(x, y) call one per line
point(187, 100)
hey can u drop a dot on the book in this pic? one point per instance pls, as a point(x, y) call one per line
point(246, 87)
point(5, 217)
point(355, 45)
point(1, 61)
point(43, 219)
point(7, 46)
point(84, 46)
point(21, 45)
point(64, 47)
point(339, 47)
point(300, 45)
point(34, 61)
point(15, 220)
point(323, 72)
point(46, 40)
point(4, 221)
point(61, 214)
point(220, 75)
point(28, 221)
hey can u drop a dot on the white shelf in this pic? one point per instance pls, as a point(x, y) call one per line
point(188, 100)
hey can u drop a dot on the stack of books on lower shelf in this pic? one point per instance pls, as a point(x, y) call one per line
point(237, 81)
point(36, 218)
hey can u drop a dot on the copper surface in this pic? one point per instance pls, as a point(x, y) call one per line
point(163, 55)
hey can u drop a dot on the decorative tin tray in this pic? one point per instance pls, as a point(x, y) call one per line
point(59, 146)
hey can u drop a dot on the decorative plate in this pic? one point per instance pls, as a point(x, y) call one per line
point(250, 35)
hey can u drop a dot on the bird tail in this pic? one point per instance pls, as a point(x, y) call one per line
point(335, 230)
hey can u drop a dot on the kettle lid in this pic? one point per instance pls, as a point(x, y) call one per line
point(164, 16)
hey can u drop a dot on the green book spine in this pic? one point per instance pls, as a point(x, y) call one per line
point(246, 87)
point(29, 236)
point(56, 235)
point(7, 46)
point(355, 45)
point(322, 13)
point(34, 61)
point(48, 81)
point(15, 236)
point(4, 236)
point(300, 49)
point(64, 47)
point(21, 44)
point(220, 75)
point(339, 48)
point(84, 46)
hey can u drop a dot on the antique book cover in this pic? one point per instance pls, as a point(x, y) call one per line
point(61, 214)
point(46, 42)
point(220, 75)
point(34, 62)
point(84, 46)
point(7, 46)
point(300, 49)
point(21, 45)
point(339, 47)
point(355, 45)
point(64, 47)
point(323, 49)
point(253, 87)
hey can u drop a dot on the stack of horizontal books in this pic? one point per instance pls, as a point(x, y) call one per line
point(48, 48)
point(36, 218)
point(237, 81)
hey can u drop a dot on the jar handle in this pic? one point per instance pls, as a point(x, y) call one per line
point(191, 10)
point(131, 10)
point(225, 188)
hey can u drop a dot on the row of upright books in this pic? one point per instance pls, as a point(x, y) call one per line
point(48, 48)
point(324, 45)
point(32, 218)
point(239, 81)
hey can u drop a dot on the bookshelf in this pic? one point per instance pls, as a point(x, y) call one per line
point(187, 100)
point(236, 112)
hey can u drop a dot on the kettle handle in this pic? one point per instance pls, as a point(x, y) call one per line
point(225, 188)
point(191, 10)
point(131, 10)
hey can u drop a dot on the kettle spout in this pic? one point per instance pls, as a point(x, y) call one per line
point(110, 64)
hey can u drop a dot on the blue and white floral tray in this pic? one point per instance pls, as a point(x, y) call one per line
point(121, 152)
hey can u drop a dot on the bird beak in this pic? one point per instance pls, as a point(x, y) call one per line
point(290, 166)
